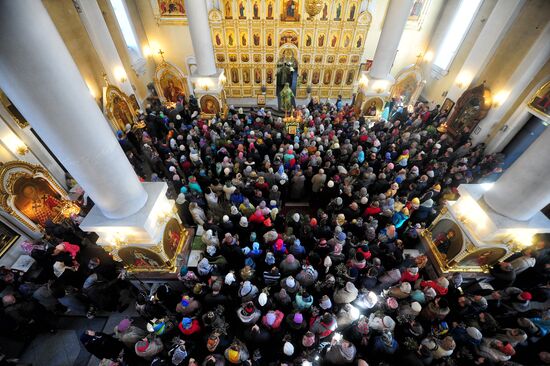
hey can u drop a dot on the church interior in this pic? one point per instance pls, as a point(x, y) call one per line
point(274, 182)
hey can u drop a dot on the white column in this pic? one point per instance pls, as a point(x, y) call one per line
point(38, 74)
point(502, 16)
point(99, 34)
point(394, 24)
point(523, 189)
point(515, 84)
point(197, 15)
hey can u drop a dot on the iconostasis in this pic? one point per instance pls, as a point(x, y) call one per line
point(266, 43)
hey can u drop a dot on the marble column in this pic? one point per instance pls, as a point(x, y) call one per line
point(502, 16)
point(394, 24)
point(197, 15)
point(99, 34)
point(522, 191)
point(39, 75)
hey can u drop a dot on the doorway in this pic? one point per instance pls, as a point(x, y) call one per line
point(532, 129)
point(287, 72)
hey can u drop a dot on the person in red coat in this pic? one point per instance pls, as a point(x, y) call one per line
point(189, 326)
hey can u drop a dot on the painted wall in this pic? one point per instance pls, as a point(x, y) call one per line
point(435, 88)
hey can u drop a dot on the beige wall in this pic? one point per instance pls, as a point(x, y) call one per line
point(435, 89)
point(71, 29)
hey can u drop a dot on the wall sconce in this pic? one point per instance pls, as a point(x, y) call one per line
point(119, 240)
point(15, 145)
point(500, 98)
point(380, 86)
point(120, 74)
point(363, 81)
point(428, 56)
point(203, 84)
point(223, 79)
point(463, 80)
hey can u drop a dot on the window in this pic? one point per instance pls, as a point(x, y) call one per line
point(125, 25)
point(455, 34)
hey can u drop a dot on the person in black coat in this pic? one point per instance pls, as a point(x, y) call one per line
point(101, 345)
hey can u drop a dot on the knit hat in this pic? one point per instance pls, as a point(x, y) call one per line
point(269, 258)
point(262, 299)
point(123, 325)
point(298, 318)
point(270, 318)
point(413, 270)
point(443, 282)
point(474, 333)
point(416, 307)
point(230, 278)
point(388, 322)
point(186, 323)
point(405, 287)
point(246, 288)
point(290, 282)
point(392, 303)
point(525, 296)
point(325, 303)
point(288, 349)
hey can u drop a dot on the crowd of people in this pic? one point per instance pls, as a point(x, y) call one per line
point(322, 283)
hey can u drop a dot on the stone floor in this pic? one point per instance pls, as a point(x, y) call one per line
point(64, 348)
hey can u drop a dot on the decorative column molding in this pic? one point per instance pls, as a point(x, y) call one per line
point(197, 16)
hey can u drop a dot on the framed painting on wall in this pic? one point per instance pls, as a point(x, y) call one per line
point(261, 99)
point(8, 237)
point(447, 106)
point(540, 103)
point(169, 11)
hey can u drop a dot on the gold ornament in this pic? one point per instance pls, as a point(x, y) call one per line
point(314, 7)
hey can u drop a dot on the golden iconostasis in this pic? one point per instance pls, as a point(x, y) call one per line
point(254, 40)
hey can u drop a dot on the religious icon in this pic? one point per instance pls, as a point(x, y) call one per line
point(289, 37)
point(257, 58)
point(269, 77)
point(318, 59)
point(354, 59)
point(306, 59)
point(269, 40)
point(372, 110)
point(483, 257)
point(257, 76)
point(230, 39)
point(8, 237)
point(315, 77)
point(245, 58)
point(269, 58)
point(347, 41)
point(243, 39)
point(540, 103)
point(228, 13)
point(290, 11)
point(338, 11)
point(218, 39)
point(416, 10)
point(171, 237)
point(246, 77)
point(256, 38)
point(232, 58)
point(359, 42)
point(36, 199)
point(171, 8)
point(333, 41)
point(349, 79)
point(330, 59)
point(270, 10)
point(234, 76)
point(321, 40)
point(327, 77)
point(304, 77)
point(220, 58)
point(242, 10)
point(172, 91)
point(308, 40)
point(342, 59)
point(256, 10)
point(338, 77)
point(121, 111)
point(325, 12)
point(352, 13)
point(209, 105)
point(140, 258)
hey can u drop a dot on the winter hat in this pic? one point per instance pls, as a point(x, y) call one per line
point(186, 323)
point(262, 299)
point(474, 333)
point(405, 287)
point(325, 303)
point(298, 318)
point(430, 293)
point(269, 258)
point(413, 270)
point(290, 282)
point(230, 278)
point(123, 325)
point(388, 322)
point(443, 282)
point(392, 303)
point(288, 349)
point(270, 318)
point(416, 307)
point(246, 288)
point(525, 296)
point(243, 222)
point(418, 295)
point(211, 250)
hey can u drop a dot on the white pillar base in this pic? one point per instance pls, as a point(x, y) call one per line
point(143, 227)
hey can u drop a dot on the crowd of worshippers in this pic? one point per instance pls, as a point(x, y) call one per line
point(326, 284)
